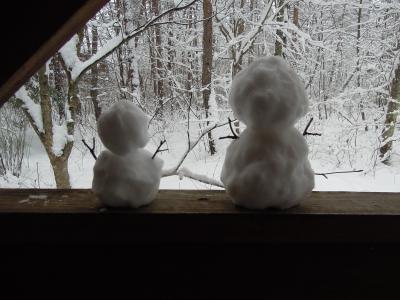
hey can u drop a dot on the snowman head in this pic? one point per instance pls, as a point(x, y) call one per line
point(123, 128)
point(268, 94)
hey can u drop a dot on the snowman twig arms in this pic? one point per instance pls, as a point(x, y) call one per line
point(158, 149)
point(91, 149)
point(305, 132)
point(191, 145)
point(234, 136)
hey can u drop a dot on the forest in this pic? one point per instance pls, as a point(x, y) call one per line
point(176, 59)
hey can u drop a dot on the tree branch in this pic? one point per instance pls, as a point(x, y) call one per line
point(191, 145)
point(184, 172)
point(117, 41)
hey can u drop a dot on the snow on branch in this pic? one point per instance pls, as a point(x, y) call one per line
point(69, 54)
point(109, 47)
point(185, 172)
point(60, 138)
point(77, 67)
point(31, 108)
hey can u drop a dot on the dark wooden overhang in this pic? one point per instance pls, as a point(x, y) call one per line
point(32, 31)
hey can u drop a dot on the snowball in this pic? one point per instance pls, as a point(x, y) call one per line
point(268, 94)
point(268, 169)
point(131, 180)
point(123, 128)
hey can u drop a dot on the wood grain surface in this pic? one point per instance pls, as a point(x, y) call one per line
point(195, 202)
point(200, 217)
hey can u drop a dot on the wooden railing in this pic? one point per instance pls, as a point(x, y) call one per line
point(202, 217)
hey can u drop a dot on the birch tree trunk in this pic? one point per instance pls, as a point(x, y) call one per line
point(59, 163)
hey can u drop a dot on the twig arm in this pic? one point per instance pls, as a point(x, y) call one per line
point(159, 149)
point(91, 149)
point(305, 132)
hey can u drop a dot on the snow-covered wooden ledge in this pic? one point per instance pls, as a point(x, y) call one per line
point(74, 217)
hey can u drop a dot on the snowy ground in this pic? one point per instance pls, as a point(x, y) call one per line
point(37, 171)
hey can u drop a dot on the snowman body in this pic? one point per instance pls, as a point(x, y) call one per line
point(126, 175)
point(268, 165)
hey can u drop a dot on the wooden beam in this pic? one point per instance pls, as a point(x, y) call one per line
point(73, 25)
point(203, 217)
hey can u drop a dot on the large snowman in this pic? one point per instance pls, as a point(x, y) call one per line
point(125, 175)
point(268, 165)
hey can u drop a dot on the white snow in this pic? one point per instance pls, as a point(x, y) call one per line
point(185, 172)
point(75, 65)
point(38, 197)
point(131, 180)
point(268, 169)
point(268, 93)
point(381, 178)
point(60, 138)
point(33, 108)
point(78, 68)
point(123, 128)
point(127, 175)
point(268, 165)
point(69, 53)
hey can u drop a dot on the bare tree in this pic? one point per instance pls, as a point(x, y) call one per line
point(392, 112)
point(207, 65)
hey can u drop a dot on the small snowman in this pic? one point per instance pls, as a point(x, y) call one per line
point(125, 175)
point(268, 165)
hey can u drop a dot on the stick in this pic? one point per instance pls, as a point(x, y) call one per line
point(233, 131)
point(234, 136)
point(305, 132)
point(158, 149)
point(91, 149)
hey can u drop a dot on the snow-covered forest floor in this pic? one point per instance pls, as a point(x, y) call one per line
point(326, 155)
